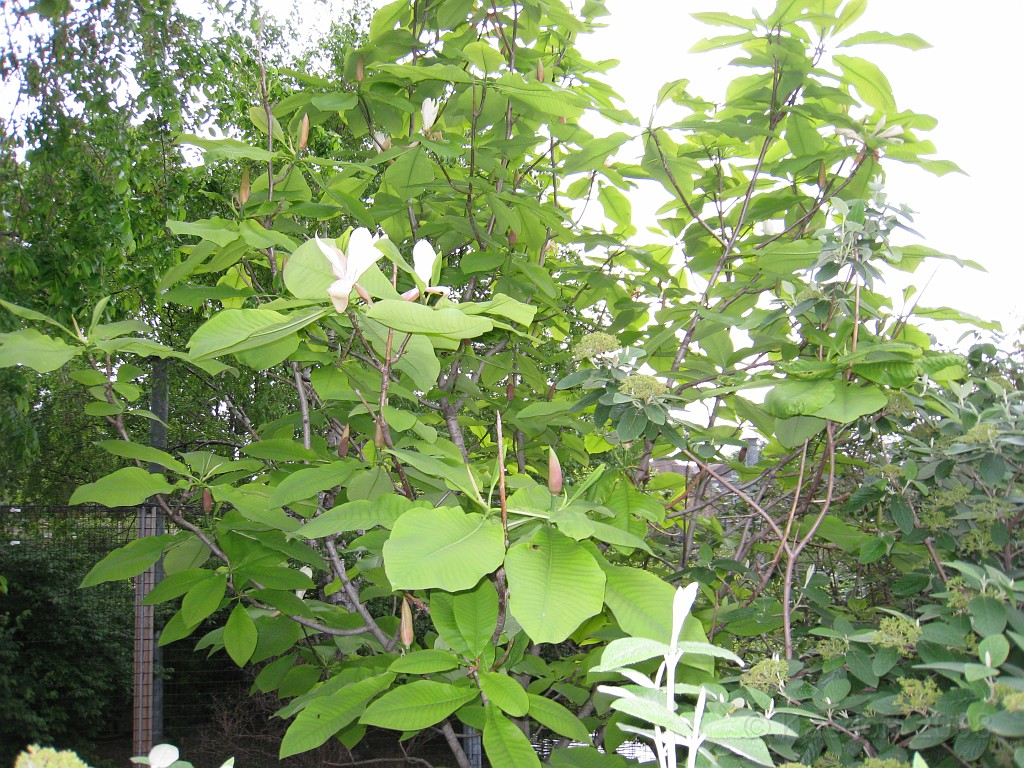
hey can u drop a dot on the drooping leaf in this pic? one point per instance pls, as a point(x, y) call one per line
point(129, 560)
point(417, 705)
point(124, 488)
point(326, 715)
point(506, 746)
point(240, 636)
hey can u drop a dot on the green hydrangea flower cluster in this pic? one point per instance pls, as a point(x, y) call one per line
point(595, 344)
point(832, 648)
point(642, 387)
point(898, 632)
point(917, 695)
point(767, 675)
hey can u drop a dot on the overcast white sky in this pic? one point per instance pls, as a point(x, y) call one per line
point(971, 80)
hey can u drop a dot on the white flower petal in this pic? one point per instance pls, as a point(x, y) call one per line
point(339, 292)
point(337, 259)
point(429, 113)
point(423, 260)
point(362, 253)
point(163, 755)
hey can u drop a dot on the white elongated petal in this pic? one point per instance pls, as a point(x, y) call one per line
point(362, 253)
point(339, 263)
point(423, 260)
point(429, 113)
point(339, 292)
point(163, 755)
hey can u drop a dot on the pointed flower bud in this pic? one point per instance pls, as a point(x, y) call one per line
point(540, 70)
point(554, 473)
point(304, 132)
point(359, 70)
point(244, 188)
point(406, 632)
point(207, 501)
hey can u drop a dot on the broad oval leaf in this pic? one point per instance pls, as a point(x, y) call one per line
point(504, 692)
point(442, 548)
point(553, 715)
point(240, 636)
point(554, 585)
point(123, 488)
point(325, 716)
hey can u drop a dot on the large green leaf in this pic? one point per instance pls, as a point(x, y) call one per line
point(554, 585)
point(40, 353)
point(410, 173)
point(870, 82)
point(850, 402)
point(129, 560)
point(203, 598)
point(505, 744)
point(417, 705)
point(413, 317)
point(442, 548)
point(504, 692)
point(304, 483)
point(141, 452)
point(240, 635)
point(476, 615)
point(325, 716)
point(642, 605)
point(123, 488)
point(357, 515)
point(798, 398)
point(553, 715)
point(236, 330)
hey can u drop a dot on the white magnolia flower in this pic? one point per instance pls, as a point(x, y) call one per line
point(429, 113)
point(163, 756)
point(301, 593)
point(382, 140)
point(349, 267)
point(424, 260)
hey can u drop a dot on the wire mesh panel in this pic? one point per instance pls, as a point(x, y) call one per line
point(70, 658)
point(65, 653)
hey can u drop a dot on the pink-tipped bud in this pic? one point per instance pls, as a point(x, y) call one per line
point(359, 69)
point(405, 630)
point(344, 442)
point(513, 236)
point(540, 70)
point(207, 501)
point(304, 132)
point(244, 188)
point(554, 473)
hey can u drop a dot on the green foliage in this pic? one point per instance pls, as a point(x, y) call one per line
point(390, 549)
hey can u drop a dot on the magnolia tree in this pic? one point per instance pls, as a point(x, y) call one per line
point(466, 505)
